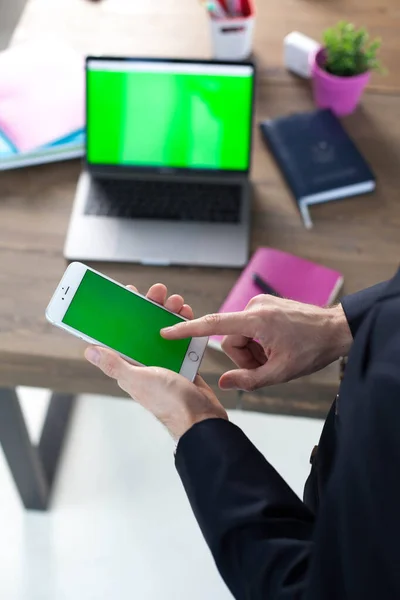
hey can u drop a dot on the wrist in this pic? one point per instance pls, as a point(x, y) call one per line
point(193, 419)
point(340, 336)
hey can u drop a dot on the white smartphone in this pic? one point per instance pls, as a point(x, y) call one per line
point(101, 311)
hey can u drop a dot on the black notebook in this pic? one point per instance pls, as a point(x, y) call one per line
point(318, 159)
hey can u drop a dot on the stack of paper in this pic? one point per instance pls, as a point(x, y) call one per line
point(41, 104)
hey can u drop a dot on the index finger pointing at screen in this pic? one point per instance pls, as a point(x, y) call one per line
point(215, 324)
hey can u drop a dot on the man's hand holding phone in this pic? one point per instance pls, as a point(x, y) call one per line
point(173, 400)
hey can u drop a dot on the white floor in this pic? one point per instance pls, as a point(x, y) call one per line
point(120, 526)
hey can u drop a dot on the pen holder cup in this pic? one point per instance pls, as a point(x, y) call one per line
point(232, 39)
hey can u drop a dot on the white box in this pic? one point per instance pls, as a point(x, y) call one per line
point(232, 39)
point(298, 49)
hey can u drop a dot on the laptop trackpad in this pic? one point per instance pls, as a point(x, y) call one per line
point(169, 242)
point(151, 242)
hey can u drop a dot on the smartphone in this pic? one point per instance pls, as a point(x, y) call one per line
point(101, 311)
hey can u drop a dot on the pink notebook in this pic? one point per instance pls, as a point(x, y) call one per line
point(291, 276)
point(42, 93)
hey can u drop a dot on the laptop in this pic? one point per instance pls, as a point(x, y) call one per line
point(168, 148)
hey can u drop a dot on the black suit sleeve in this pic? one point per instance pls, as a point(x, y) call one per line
point(262, 536)
point(358, 530)
point(357, 306)
point(258, 530)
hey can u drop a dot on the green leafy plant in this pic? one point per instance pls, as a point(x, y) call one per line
point(349, 51)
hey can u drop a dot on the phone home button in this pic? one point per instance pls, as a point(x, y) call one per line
point(193, 356)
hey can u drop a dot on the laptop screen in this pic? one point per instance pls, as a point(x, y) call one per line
point(166, 114)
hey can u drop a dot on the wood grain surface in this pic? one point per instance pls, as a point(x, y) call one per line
point(360, 236)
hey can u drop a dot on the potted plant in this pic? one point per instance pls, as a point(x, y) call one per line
point(342, 67)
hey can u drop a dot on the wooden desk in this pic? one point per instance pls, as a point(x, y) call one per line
point(359, 236)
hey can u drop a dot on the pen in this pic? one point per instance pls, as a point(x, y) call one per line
point(244, 8)
point(215, 9)
point(231, 6)
point(264, 286)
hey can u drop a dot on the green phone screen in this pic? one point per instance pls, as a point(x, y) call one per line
point(125, 322)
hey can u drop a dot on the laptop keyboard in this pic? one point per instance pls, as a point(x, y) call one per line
point(178, 201)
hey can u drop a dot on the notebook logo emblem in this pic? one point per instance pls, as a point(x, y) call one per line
point(323, 153)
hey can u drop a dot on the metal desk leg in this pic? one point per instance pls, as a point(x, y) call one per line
point(33, 467)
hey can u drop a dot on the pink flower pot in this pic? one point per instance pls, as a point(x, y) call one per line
point(340, 94)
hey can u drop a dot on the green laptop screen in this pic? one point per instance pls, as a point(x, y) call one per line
point(172, 115)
